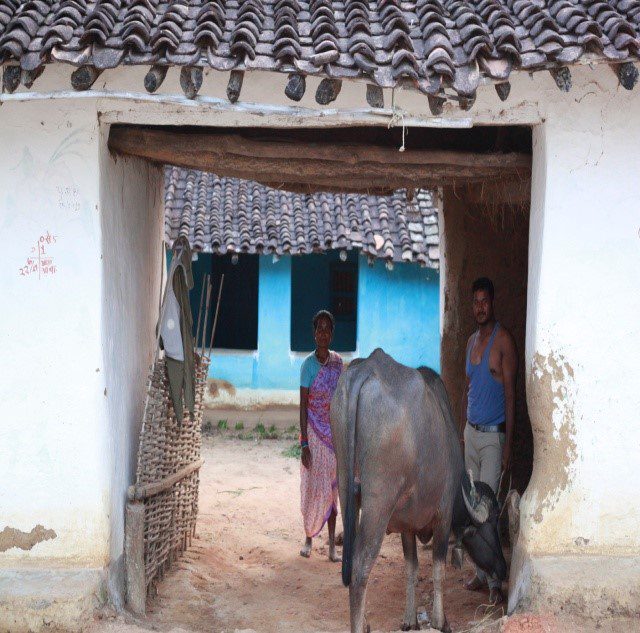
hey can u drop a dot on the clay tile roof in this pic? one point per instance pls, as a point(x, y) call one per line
point(428, 43)
point(226, 215)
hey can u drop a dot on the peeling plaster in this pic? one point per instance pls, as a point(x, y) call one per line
point(551, 406)
point(215, 386)
point(12, 537)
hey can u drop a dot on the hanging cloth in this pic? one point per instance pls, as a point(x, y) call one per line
point(176, 331)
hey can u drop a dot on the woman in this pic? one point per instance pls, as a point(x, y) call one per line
point(318, 472)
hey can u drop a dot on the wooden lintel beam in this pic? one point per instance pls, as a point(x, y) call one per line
point(162, 145)
point(338, 182)
point(315, 165)
point(286, 170)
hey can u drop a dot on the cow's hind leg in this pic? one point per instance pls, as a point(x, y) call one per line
point(410, 620)
point(371, 531)
point(440, 547)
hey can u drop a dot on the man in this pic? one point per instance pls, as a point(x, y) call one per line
point(488, 404)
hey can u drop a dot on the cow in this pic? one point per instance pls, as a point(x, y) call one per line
point(400, 470)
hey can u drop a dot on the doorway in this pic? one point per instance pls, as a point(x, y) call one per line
point(247, 551)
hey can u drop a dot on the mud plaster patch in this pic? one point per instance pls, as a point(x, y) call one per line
point(552, 420)
point(11, 537)
point(215, 386)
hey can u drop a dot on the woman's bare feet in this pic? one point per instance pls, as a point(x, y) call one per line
point(306, 548)
point(333, 555)
point(331, 524)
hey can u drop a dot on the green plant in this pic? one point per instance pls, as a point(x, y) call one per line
point(294, 451)
point(223, 425)
point(259, 429)
point(239, 426)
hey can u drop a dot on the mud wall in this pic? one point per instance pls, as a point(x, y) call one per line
point(479, 242)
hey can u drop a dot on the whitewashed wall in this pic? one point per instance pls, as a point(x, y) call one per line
point(583, 345)
point(65, 449)
point(131, 195)
point(52, 464)
point(77, 335)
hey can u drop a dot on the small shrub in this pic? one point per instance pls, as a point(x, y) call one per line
point(239, 426)
point(207, 427)
point(291, 433)
point(223, 425)
point(259, 429)
point(294, 451)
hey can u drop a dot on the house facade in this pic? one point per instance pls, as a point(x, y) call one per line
point(84, 239)
point(371, 260)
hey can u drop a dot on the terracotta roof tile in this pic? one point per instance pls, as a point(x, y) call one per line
point(220, 215)
point(429, 43)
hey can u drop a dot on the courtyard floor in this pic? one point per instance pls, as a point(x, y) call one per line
point(243, 571)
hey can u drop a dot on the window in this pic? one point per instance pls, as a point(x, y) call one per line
point(237, 326)
point(324, 282)
point(344, 285)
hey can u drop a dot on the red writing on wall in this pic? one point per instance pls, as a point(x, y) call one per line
point(40, 261)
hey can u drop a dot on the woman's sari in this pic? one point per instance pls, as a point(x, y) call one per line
point(319, 483)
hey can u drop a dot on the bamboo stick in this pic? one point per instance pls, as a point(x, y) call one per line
point(134, 557)
point(215, 319)
point(200, 308)
point(138, 493)
point(206, 315)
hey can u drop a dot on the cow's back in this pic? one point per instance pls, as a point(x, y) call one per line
point(405, 447)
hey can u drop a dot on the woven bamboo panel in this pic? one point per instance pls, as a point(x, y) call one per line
point(166, 447)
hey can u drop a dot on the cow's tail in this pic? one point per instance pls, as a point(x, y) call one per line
point(352, 505)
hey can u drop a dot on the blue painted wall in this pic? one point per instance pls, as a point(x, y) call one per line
point(398, 310)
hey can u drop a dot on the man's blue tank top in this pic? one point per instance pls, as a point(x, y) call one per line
point(486, 395)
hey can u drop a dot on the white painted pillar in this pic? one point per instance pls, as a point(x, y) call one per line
point(579, 540)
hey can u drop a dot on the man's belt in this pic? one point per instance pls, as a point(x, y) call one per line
point(486, 428)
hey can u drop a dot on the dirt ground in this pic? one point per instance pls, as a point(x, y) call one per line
point(244, 572)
